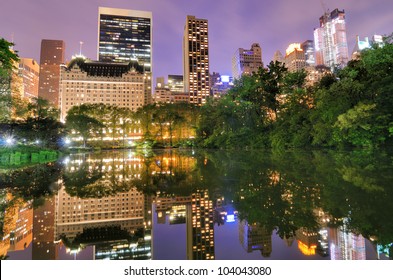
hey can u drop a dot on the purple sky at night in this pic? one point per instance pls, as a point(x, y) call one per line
point(232, 24)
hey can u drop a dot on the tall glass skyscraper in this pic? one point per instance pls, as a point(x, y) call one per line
point(125, 35)
point(331, 47)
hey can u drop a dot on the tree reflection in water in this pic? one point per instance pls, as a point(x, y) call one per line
point(300, 195)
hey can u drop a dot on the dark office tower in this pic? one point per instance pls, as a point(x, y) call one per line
point(125, 35)
point(52, 56)
point(200, 227)
point(196, 60)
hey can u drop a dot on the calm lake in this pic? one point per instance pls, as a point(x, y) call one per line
point(192, 204)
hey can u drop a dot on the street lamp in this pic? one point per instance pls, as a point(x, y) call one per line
point(9, 141)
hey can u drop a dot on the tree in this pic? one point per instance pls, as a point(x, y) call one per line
point(8, 58)
point(84, 125)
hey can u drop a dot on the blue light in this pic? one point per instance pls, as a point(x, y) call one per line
point(225, 78)
point(230, 218)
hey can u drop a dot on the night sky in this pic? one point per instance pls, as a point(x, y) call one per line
point(232, 24)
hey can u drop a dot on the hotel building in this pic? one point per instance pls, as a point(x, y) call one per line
point(92, 82)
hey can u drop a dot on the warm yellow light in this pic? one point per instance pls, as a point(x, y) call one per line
point(306, 250)
point(292, 47)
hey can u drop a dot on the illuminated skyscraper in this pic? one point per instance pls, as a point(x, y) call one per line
point(29, 71)
point(52, 56)
point(124, 36)
point(308, 48)
point(331, 47)
point(294, 58)
point(196, 60)
point(200, 227)
point(245, 62)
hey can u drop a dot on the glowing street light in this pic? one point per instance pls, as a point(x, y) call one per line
point(9, 141)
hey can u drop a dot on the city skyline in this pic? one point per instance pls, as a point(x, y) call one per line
point(273, 25)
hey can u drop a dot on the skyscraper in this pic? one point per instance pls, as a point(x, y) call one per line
point(196, 60)
point(294, 58)
point(330, 39)
point(246, 61)
point(308, 48)
point(200, 227)
point(124, 36)
point(29, 72)
point(52, 56)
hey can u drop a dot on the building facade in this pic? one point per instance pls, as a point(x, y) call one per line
point(200, 227)
point(126, 36)
point(309, 52)
point(29, 71)
point(295, 59)
point(93, 82)
point(246, 62)
point(331, 47)
point(196, 60)
point(51, 57)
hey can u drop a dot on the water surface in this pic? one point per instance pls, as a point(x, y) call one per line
point(200, 205)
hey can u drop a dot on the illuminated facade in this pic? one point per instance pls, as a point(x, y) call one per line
point(176, 83)
point(17, 228)
point(196, 60)
point(254, 237)
point(316, 73)
point(345, 245)
point(246, 62)
point(200, 227)
point(307, 241)
point(29, 71)
point(44, 246)
point(309, 52)
point(52, 56)
point(331, 47)
point(171, 92)
point(93, 82)
point(125, 209)
point(295, 59)
point(221, 84)
point(126, 36)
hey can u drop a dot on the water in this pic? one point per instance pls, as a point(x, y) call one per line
point(200, 205)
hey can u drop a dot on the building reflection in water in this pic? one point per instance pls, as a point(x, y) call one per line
point(44, 247)
point(200, 227)
point(17, 232)
point(254, 237)
point(346, 245)
point(117, 224)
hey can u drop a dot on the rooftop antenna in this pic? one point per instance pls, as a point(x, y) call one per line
point(80, 48)
point(12, 41)
point(325, 10)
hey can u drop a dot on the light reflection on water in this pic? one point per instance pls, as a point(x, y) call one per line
point(199, 205)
